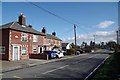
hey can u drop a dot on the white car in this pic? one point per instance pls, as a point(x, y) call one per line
point(59, 52)
point(60, 55)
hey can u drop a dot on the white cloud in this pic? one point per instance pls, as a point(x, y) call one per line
point(104, 36)
point(105, 24)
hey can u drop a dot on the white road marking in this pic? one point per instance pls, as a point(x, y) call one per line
point(16, 77)
point(96, 68)
point(55, 69)
point(1, 74)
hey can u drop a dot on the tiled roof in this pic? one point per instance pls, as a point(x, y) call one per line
point(17, 26)
point(52, 37)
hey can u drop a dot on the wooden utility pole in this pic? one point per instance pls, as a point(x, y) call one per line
point(117, 37)
point(94, 41)
point(75, 37)
point(94, 38)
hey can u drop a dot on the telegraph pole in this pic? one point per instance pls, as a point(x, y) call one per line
point(75, 37)
point(94, 41)
point(117, 37)
point(94, 38)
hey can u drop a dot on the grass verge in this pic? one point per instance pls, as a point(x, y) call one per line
point(110, 70)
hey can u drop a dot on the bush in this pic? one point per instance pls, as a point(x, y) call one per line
point(70, 51)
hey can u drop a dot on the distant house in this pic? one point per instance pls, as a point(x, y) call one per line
point(50, 40)
point(66, 46)
point(19, 40)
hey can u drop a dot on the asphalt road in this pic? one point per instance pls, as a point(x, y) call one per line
point(75, 68)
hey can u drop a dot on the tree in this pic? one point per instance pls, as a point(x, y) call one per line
point(111, 44)
point(72, 44)
point(102, 45)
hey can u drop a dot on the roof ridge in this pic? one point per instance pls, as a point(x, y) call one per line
point(12, 24)
point(55, 37)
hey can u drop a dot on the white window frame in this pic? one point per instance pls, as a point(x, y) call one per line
point(35, 38)
point(24, 37)
point(24, 51)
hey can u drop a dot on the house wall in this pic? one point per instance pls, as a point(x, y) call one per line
point(57, 42)
point(50, 43)
point(16, 38)
point(46, 43)
point(11, 37)
point(35, 45)
point(4, 38)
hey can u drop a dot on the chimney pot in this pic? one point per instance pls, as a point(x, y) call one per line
point(54, 33)
point(44, 30)
point(30, 26)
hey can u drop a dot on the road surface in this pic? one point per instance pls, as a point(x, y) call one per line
point(76, 68)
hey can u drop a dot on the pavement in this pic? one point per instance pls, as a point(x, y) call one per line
point(15, 65)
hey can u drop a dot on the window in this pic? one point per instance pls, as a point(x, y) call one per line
point(2, 49)
point(35, 38)
point(24, 51)
point(34, 50)
point(24, 37)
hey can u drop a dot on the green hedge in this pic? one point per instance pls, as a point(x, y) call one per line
point(70, 51)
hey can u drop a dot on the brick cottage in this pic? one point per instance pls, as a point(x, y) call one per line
point(18, 40)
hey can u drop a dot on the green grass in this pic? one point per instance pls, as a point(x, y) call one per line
point(110, 69)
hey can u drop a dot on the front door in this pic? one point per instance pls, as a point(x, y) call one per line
point(15, 52)
point(39, 49)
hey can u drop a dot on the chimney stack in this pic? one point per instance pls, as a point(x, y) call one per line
point(54, 33)
point(30, 26)
point(44, 30)
point(22, 19)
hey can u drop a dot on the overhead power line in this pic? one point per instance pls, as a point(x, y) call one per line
point(49, 12)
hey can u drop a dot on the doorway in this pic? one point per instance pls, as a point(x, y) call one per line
point(16, 53)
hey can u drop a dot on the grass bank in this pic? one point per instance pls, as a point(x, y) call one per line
point(110, 70)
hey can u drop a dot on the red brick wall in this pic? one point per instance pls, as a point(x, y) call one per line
point(29, 44)
point(54, 42)
point(37, 44)
point(16, 39)
point(5, 42)
point(40, 40)
point(39, 56)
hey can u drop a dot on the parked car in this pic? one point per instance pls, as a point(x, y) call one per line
point(51, 54)
point(56, 49)
point(60, 54)
point(64, 52)
point(78, 52)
